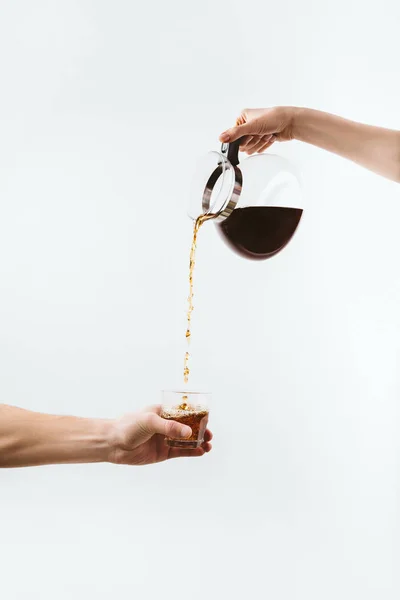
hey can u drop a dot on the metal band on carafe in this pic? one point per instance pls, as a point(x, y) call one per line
point(230, 152)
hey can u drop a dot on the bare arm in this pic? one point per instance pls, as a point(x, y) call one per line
point(375, 148)
point(30, 439)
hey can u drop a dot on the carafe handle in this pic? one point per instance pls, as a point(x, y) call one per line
point(231, 151)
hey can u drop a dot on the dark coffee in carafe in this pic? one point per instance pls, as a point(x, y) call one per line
point(253, 203)
point(260, 232)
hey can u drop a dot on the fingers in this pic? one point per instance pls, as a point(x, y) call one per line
point(204, 448)
point(247, 141)
point(247, 126)
point(258, 144)
point(152, 423)
point(181, 452)
point(267, 145)
point(253, 144)
point(207, 447)
point(208, 436)
point(237, 132)
point(178, 453)
point(258, 123)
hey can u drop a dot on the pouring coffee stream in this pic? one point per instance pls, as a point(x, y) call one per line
point(192, 261)
point(255, 205)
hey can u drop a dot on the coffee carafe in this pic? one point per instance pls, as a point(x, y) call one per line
point(255, 203)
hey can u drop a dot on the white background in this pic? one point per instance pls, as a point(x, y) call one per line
point(104, 107)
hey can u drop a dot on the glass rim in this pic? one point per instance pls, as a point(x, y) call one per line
point(186, 392)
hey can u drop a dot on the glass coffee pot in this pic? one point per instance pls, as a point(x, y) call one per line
point(255, 203)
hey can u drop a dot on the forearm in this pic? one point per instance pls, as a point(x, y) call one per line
point(374, 148)
point(28, 438)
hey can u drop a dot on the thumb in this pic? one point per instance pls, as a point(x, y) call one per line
point(153, 423)
point(233, 134)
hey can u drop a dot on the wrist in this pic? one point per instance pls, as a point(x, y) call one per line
point(91, 440)
point(113, 432)
point(300, 118)
point(102, 439)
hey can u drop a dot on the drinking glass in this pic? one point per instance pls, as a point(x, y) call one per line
point(188, 408)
